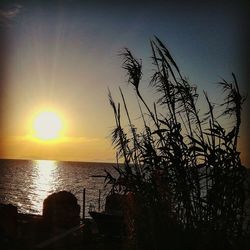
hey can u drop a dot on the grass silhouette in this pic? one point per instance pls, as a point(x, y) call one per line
point(183, 168)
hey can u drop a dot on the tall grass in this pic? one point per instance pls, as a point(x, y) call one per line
point(183, 168)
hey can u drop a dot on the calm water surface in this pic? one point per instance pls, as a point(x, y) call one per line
point(27, 183)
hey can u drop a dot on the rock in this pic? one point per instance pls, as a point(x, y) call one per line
point(60, 210)
point(8, 220)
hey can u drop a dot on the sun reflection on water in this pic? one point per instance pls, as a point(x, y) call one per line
point(44, 182)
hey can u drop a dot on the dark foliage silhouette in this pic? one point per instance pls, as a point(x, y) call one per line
point(183, 168)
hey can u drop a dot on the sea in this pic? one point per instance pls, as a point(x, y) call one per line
point(26, 183)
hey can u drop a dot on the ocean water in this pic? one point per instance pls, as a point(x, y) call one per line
point(27, 183)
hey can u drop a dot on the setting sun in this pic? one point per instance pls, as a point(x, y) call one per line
point(47, 125)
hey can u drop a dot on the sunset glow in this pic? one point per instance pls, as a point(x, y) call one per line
point(47, 126)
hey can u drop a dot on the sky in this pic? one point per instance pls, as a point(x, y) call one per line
point(62, 56)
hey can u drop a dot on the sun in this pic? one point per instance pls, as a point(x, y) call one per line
point(47, 125)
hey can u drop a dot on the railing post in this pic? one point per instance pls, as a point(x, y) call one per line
point(99, 200)
point(83, 205)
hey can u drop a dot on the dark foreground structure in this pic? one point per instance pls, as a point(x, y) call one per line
point(60, 226)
